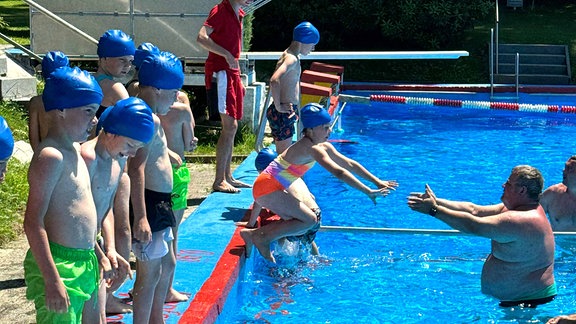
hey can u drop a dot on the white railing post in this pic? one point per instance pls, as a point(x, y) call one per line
point(517, 74)
point(497, 44)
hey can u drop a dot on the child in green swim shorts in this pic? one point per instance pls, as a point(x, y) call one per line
point(61, 268)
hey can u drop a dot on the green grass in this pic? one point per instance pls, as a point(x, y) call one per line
point(14, 189)
point(15, 14)
point(13, 195)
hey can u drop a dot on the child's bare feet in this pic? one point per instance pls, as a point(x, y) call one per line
point(254, 237)
point(115, 305)
point(174, 296)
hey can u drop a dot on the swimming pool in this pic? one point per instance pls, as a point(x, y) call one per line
point(464, 154)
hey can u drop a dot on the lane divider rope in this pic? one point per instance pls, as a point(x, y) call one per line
point(472, 104)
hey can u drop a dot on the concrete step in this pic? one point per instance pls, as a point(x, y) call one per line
point(532, 58)
point(16, 83)
point(532, 79)
point(510, 68)
point(538, 64)
point(532, 49)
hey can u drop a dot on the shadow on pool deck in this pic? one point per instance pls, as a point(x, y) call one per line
point(209, 254)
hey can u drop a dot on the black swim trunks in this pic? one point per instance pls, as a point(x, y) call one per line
point(158, 210)
point(310, 235)
point(281, 124)
point(529, 303)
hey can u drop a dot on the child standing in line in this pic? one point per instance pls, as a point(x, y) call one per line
point(150, 170)
point(178, 125)
point(37, 121)
point(125, 127)
point(61, 268)
point(115, 54)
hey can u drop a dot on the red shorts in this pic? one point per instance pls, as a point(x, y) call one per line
point(229, 93)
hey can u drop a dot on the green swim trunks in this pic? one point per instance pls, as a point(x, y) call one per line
point(181, 178)
point(78, 269)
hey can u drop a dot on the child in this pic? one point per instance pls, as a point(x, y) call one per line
point(116, 51)
point(285, 85)
point(178, 125)
point(221, 35)
point(6, 147)
point(115, 54)
point(144, 50)
point(272, 188)
point(150, 170)
point(125, 127)
point(61, 269)
point(298, 187)
point(37, 123)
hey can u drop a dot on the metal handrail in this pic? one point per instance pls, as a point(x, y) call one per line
point(491, 60)
point(22, 48)
point(496, 36)
point(517, 70)
point(61, 21)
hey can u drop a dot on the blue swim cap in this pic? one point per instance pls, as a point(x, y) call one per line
point(6, 140)
point(162, 71)
point(144, 50)
point(313, 115)
point(130, 117)
point(68, 87)
point(52, 61)
point(306, 33)
point(264, 157)
point(115, 43)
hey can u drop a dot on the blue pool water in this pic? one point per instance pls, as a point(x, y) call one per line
point(409, 278)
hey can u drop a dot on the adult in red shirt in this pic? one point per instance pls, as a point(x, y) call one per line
point(221, 36)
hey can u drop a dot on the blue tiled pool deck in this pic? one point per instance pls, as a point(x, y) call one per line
point(210, 254)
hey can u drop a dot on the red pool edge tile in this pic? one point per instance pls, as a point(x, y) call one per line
point(210, 299)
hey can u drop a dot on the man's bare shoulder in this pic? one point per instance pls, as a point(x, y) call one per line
point(559, 187)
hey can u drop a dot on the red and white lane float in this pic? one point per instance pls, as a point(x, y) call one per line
point(471, 104)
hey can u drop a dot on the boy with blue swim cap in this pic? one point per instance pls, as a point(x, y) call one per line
point(143, 51)
point(61, 267)
point(123, 129)
point(306, 33)
point(6, 146)
point(150, 171)
point(285, 85)
point(37, 121)
point(115, 54)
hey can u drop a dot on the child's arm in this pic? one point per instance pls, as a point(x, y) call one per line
point(320, 154)
point(256, 208)
point(188, 123)
point(357, 168)
point(210, 45)
point(34, 122)
point(43, 174)
point(136, 167)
